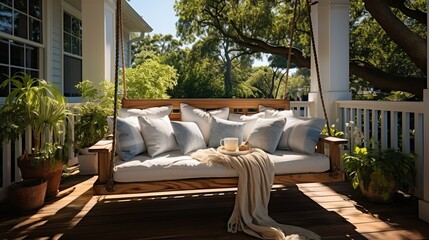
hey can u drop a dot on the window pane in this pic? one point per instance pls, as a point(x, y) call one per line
point(21, 5)
point(17, 54)
point(75, 46)
point(14, 71)
point(32, 55)
point(4, 71)
point(33, 74)
point(67, 43)
point(67, 23)
point(75, 27)
point(4, 51)
point(20, 28)
point(35, 8)
point(6, 19)
point(72, 75)
point(35, 30)
point(7, 2)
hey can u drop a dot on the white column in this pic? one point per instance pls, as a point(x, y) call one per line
point(424, 203)
point(331, 32)
point(98, 22)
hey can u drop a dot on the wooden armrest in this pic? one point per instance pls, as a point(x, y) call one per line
point(104, 150)
point(334, 144)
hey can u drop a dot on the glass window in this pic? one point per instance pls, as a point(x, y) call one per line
point(35, 8)
point(72, 35)
point(4, 51)
point(22, 19)
point(32, 58)
point(4, 71)
point(6, 22)
point(72, 75)
point(21, 5)
point(7, 2)
point(17, 54)
point(20, 26)
point(35, 29)
point(17, 57)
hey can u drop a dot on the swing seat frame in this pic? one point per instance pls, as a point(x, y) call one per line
point(327, 145)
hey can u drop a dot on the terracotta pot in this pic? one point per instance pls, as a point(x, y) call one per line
point(27, 195)
point(374, 193)
point(52, 174)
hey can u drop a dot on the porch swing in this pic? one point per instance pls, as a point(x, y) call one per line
point(106, 152)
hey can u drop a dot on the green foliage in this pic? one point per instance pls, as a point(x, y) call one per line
point(334, 132)
point(150, 79)
point(39, 105)
point(91, 125)
point(385, 165)
point(264, 26)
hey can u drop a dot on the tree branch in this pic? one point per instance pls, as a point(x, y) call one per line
point(416, 14)
point(412, 44)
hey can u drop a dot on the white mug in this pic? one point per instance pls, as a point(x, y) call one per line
point(229, 144)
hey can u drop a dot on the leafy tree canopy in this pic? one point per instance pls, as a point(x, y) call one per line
point(387, 37)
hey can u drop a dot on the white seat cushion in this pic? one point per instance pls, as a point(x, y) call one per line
point(174, 165)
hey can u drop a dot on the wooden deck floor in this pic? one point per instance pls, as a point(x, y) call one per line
point(334, 211)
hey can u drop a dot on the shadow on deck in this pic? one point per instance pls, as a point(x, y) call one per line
point(334, 211)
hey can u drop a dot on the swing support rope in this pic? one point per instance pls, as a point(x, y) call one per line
point(120, 46)
point(316, 63)
point(289, 54)
point(110, 187)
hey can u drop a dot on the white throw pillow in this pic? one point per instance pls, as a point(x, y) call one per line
point(250, 121)
point(202, 118)
point(273, 113)
point(301, 135)
point(266, 133)
point(153, 112)
point(158, 135)
point(188, 136)
point(129, 141)
point(222, 128)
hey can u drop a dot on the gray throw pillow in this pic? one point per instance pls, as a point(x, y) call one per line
point(201, 117)
point(266, 134)
point(188, 136)
point(129, 141)
point(301, 135)
point(158, 135)
point(224, 128)
point(250, 121)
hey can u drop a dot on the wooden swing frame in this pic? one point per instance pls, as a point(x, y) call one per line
point(106, 149)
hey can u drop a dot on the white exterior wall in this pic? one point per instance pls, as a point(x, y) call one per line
point(53, 62)
point(93, 67)
point(331, 32)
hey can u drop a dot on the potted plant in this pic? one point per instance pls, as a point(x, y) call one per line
point(91, 126)
point(38, 105)
point(380, 173)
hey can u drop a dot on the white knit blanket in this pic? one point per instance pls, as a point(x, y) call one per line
point(255, 179)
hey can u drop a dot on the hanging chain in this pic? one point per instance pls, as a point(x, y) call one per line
point(316, 62)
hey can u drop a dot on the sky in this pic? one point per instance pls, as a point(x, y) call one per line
point(159, 14)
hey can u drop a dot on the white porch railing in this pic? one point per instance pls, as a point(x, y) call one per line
point(396, 125)
point(392, 124)
point(303, 108)
point(9, 153)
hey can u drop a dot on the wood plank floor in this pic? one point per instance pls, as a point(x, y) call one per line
point(334, 211)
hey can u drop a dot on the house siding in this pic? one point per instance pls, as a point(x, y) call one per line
point(56, 47)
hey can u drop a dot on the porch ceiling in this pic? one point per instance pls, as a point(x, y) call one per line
point(133, 21)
